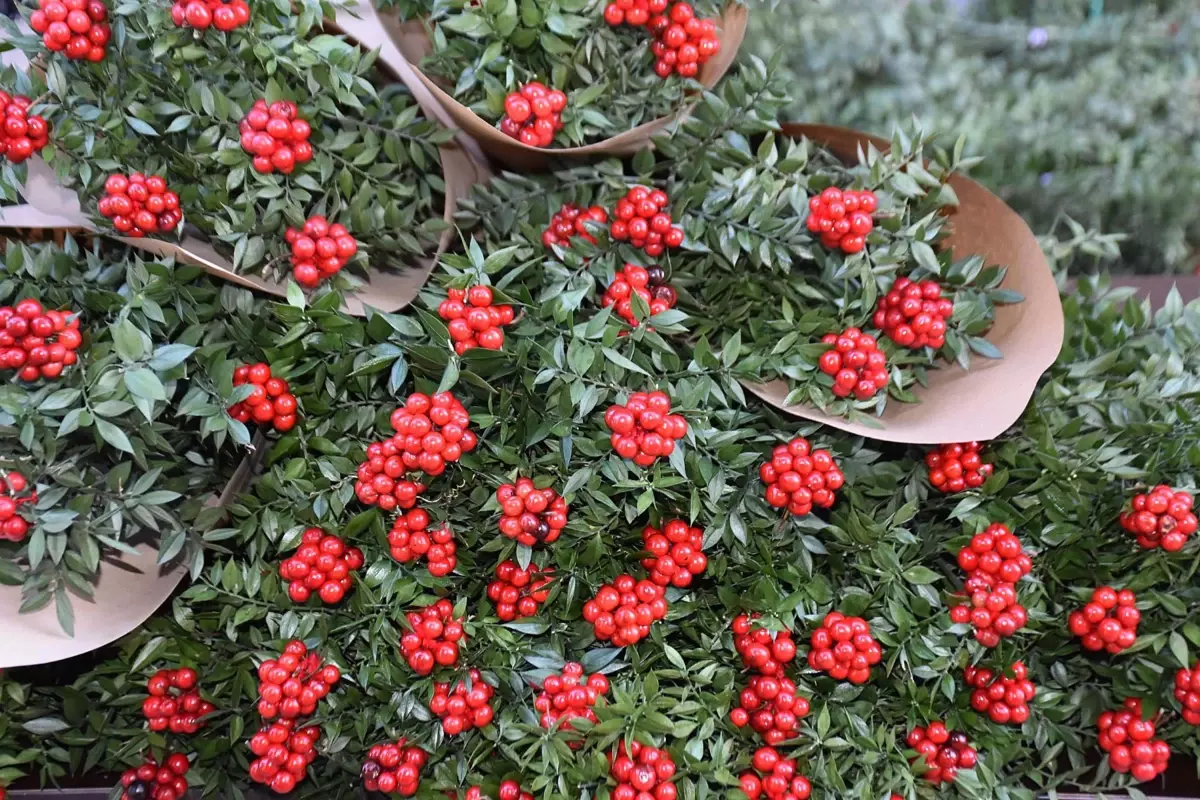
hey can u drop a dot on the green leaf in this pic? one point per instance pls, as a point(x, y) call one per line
point(144, 383)
point(113, 435)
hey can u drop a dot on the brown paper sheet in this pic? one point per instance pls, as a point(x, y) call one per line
point(963, 405)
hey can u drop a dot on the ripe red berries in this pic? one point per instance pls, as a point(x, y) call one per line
point(224, 15)
point(844, 648)
point(319, 250)
point(434, 639)
point(270, 401)
point(531, 516)
point(509, 790)
point(778, 779)
point(76, 27)
point(914, 314)
point(800, 478)
point(291, 685)
point(139, 205)
point(431, 432)
point(182, 711)
point(642, 772)
point(683, 42)
point(571, 221)
point(842, 218)
point(994, 613)
point(14, 527)
point(20, 135)
point(475, 323)
point(518, 593)
point(394, 768)
point(462, 709)
point(635, 13)
point(381, 479)
point(762, 650)
point(956, 467)
point(644, 427)
point(771, 708)
point(1108, 622)
point(409, 541)
point(275, 136)
point(624, 610)
point(1163, 518)
point(321, 564)
point(36, 342)
point(641, 219)
point(284, 753)
point(855, 363)
point(646, 283)
point(1003, 698)
point(945, 753)
point(1187, 692)
point(152, 781)
point(1129, 741)
point(676, 553)
point(533, 114)
point(994, 556)
point(569, 696)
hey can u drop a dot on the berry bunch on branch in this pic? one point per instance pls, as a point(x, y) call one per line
point(174, 702)
point(38, 342)
point(21, 134)
point(14, 493)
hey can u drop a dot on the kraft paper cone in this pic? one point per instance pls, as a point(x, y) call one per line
point(963, 405)
point(413, 42)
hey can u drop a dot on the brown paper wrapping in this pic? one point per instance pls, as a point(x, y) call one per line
point(963, 405)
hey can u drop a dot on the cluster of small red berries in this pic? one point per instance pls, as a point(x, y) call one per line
point(944, 752)
point(994, 613)
point(800, 478)
point(517, 592)
point(321, 564)
point(843, 647)
point(434, 638)
point(475, 323)
point(319, 250)
point(624, 610)
point(529, 515)
point(842, 218)
point(1004, 697)
point(21, 135)
point(283, 754)
point(994, 561)
point(533, 114)
point(462, 709)
point(642, 773)
point(855, 363)
point(139, 205)
point(14, 527)
point(771, 708)
point(77, 27)
point(571, 221)
point(569, 696)
point(508, 790)
point(635, 13)
point(270, 401)
point(39, 343)
point(432, 431)
point(1129, 741)
point(151, 781)
point(955, 467)
point(411, 540)
point(645, 283)
point(640, 217)
point(381, 478)
point(224, 15)
point(1108, 622)
point(676, 553)
point(1187, 692)
point(1162, 518)
point(644, 427)
point(274, 135)
point(683, 42)
point(182, 712)
point(394, 768)
point(291, 685)
point(778, 779)
point(767, 652)
point(914, 314)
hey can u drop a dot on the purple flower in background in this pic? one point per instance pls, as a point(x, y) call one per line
point(1037, 38)
point(1045, 178)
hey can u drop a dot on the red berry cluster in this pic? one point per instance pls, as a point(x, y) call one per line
point(683, 42)
point(291, 685)
point(624, 610)
point(955, 467)
point(914, 314)
point(842, 218)
point(224, 15)
point(270, 401)
point(646, 283)
point(994, 613)
point(517, 592)
point(1004, 697)
point(394, 768)
point(139, 205)
point(508, 790)
point(569, 696)
point(533, 114)
point(1108, 622)
point(777, 780)
point(1187, 692)
point(771, 708)
point(410, 540)
point(800, 478)
point(571, 221)
point(1129, 741)
point(37, 342)
point(476, 323)
point(843, 647)
point(434, 638)
point(855, 363)
point(321, 564)
point(994, 562)
point(764, 651)
point(642, 773)
point(641, 219)
point(462, 709)
point(531, 516)
point(274, 135)
point(945, 753)
point(13, 527)
point(1163, 518)
point(183, 711)
point(283, 754)
point(644, 427)
point(431, 431)
point(21, 135)
point(633, 12)
point(676, 553)
point(77, 27)
point(319, 250)
point(151, 781)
